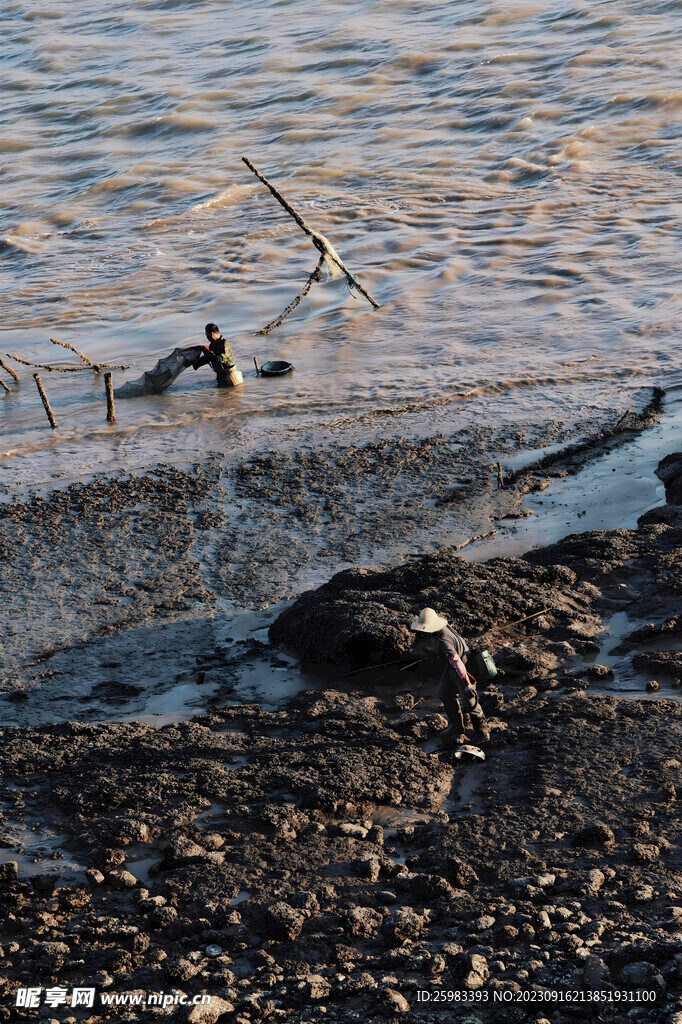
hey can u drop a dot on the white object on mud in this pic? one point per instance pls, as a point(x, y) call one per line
point(469, 750)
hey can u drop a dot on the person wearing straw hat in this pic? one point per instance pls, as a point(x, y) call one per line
point(457, 688)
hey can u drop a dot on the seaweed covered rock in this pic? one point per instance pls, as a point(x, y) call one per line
point(362, 616)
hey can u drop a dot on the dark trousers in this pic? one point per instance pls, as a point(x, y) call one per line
point(459, 700)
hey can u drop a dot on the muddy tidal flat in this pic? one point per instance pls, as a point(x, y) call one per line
point(334, 859)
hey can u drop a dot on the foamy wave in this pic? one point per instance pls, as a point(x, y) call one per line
point(226, 197)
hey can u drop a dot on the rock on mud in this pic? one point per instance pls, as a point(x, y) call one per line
point(362, 616)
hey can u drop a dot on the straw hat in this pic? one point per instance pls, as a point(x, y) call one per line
point(428, 621)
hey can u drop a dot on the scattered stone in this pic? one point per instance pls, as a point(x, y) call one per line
point(210, 1014)
point(121, 879)
point(595, 834)
point(471, 971)
point(642, 974)
point(363, 921)
point(595, 880)
point(282, 922)
point(315, 987)
point(646, 853)
point(9, 871)
point(599, 672)
point(394, 1001)
point(403, 924)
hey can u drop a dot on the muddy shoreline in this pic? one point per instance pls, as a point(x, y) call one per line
point(345, 864)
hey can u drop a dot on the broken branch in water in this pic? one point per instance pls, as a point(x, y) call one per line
point(329, 254)
point(9, 370)
point(315, 276)
point(4, 385)
point(84, 358)
point(622, 420)
point(61, 369)
point(45, 366)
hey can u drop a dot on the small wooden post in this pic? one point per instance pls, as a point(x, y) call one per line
point(255, 363)
point(48, 410)
point(9, 370)
point(111, 415)
point(4, 385)
point(500, 478)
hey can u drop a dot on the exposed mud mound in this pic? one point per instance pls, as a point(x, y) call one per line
point(361, 616)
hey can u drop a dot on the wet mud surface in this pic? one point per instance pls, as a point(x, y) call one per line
point(340, 864)
point(328, 842)
point(183, 549)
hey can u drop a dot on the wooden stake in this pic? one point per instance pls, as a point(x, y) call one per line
point(111, 415)
point(4, 385)
point(319, 241)
point(65, 344)
point(255, 363)
point(48, 410)
point(500, 478)
point(9, 370)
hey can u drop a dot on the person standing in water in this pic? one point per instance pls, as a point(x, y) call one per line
point(457, 689)
point(218, 353)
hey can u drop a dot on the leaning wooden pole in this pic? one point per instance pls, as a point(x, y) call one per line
point(46, 366)
point(9, 370)
point(48, 410)
point(65, 344)
point(315, 276)
point(319, 241)
point(108, 382)
point(4, 385)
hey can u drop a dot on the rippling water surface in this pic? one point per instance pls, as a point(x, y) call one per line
point(504, 178)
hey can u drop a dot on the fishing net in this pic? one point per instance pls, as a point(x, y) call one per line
point(154, 381)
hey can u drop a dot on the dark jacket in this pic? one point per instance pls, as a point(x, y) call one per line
point(222, 351)
point(451, 643)
point(219, 355)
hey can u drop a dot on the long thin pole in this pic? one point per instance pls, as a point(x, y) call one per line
point(111, 415)
point(4, 385)
point(48, 410)
point(63, 369)
point(319, 241)
point(508, 625)
point(9, 370)
point(65, 344)
point(46, 366)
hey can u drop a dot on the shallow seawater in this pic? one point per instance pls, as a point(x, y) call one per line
point(505, 180)
point(609, 492)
